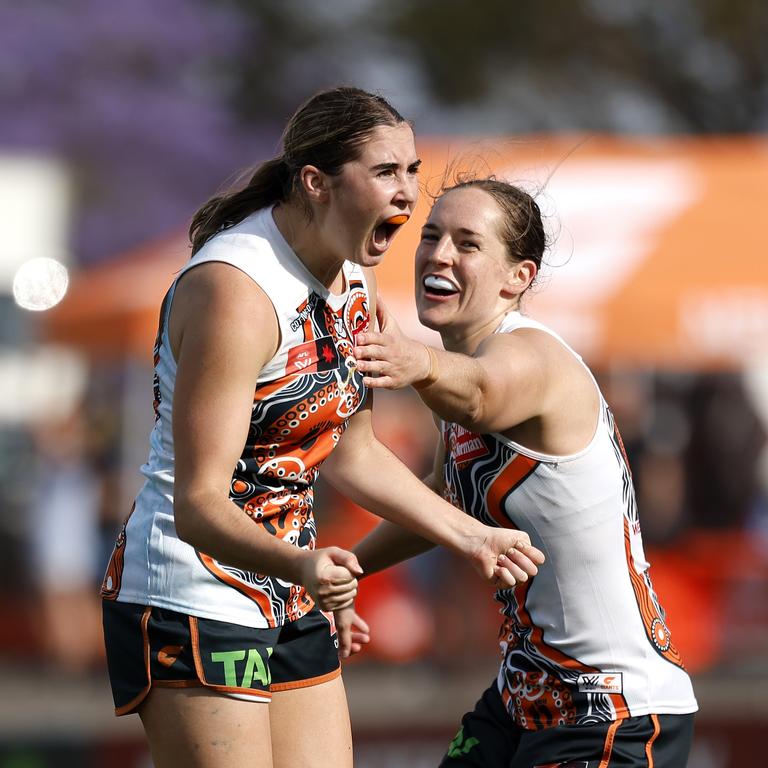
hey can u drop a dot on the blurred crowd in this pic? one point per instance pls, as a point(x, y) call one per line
point(697, 447)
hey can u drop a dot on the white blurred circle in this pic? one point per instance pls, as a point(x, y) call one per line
point(40, 284)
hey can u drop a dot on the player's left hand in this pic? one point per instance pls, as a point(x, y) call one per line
point(352, 631)
point(506, 557)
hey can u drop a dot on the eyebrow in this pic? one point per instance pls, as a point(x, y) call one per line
point(463, 230)
point(394, 166)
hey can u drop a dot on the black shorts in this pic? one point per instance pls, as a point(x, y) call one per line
point(489, 738)
point(149, 646)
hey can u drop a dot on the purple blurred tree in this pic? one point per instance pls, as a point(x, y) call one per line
point(136, 97)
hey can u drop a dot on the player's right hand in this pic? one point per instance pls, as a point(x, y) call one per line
point(330, 576)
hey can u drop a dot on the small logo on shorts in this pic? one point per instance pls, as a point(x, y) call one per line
point(461, 746)
point(256, 667)
point(167, 656)
point(610, 683)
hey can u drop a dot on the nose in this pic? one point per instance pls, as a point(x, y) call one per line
point(442, 253)
point(407, 192)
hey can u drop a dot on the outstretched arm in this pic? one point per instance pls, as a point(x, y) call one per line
point(505, 382)
point(366, 471)
point(388, 544)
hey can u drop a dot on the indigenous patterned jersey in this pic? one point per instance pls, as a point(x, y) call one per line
point(586, 640)
point(302, 400)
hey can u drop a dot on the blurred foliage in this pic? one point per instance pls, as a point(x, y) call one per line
point(705, 62)
point(154, 105)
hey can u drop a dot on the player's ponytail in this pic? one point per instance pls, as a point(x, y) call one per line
point(327, 131)
point(270, 183)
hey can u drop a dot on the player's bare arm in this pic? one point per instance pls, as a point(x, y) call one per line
point(216, 308)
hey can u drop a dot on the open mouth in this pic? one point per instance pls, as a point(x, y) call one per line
point(385, 232)
point(436, 286)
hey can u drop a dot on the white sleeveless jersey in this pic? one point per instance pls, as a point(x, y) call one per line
point(302, 400)
point(585, 640)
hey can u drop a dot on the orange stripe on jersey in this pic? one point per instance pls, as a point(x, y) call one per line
point(555, 655)
point(113, 578)
point(655, 627)
point(269, 388)
point(537, 635)
point(261, 599)
point(649, 745)
point(608, 748)
point(505, 482)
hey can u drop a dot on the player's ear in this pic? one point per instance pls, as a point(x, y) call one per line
point(314, 183)
point(519, 277)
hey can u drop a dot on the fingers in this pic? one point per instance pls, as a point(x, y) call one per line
point(369, 345)
point(344, 632)
point(509, 573)
point(335, 576)
point(514, 560)
point(352, 643)
point(525, 559)
point(335, 602)
point(348, 560)
point(381, 382)
point(361, 626)
point(358, 641)
point(523, 545)
point(517, 565)
point(353, 632)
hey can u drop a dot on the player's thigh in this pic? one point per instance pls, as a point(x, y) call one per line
point(199, 728)
point(310, 726)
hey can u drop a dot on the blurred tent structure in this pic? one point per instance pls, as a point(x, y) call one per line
point(659, 261)
point(659, 257)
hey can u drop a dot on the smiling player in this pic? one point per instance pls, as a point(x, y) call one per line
point(213, 596)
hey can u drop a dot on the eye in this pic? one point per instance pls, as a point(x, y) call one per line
point(413, 170)
point(429, 237)
point(386, 172)
point(468, 245)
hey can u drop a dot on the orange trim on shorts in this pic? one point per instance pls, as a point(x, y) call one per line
point(132, 705)
point(177, 684)
point(608, 748)
point(649, 745)
point(264, 696)
point(308, 683)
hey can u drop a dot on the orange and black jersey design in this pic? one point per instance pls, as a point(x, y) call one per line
point(302, 401)
point(296, 422)
point(586, 640)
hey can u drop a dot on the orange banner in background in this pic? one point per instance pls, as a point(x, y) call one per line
point(659, 252)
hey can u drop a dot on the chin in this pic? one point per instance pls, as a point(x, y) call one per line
point(428, 320)
point(367, 259)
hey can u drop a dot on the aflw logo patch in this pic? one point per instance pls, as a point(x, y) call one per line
point(313, 356)
point(465, 445)
point(611, 683)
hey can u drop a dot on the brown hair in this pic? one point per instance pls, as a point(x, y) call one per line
point(326, 131)
point(522, 228)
